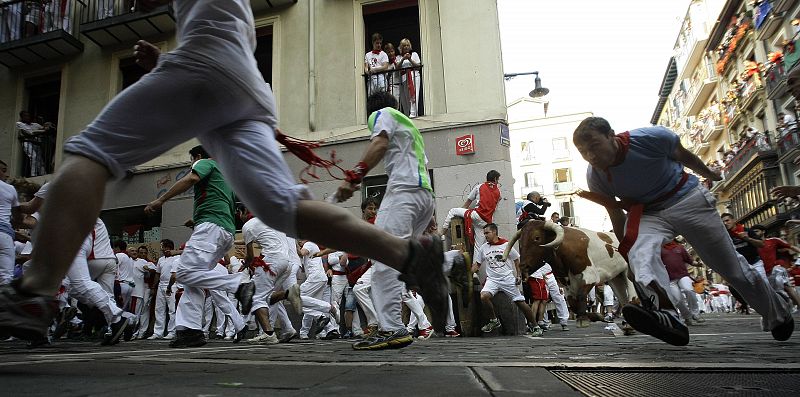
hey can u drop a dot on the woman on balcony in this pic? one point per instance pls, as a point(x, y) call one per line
point(410, 81)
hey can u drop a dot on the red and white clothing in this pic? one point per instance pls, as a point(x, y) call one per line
point(500, 275)
point(480, 214)
point(376, 59)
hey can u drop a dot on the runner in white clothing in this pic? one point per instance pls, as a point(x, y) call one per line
point(9, 209)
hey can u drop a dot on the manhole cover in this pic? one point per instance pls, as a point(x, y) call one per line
point(617, 383)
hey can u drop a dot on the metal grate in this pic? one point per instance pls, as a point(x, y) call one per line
point(619, 383)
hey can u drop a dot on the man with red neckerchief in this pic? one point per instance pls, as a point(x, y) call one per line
point(478, 210)
point(501, 276)
point(777, 275)
point(644, 168)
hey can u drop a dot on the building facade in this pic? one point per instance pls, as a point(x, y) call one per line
point(65, 65)
point(728, 101)
point(545, 160)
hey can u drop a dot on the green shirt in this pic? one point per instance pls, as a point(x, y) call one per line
point(213, 198)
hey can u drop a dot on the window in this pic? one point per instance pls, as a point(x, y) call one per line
point(528, 152)
point(130, 71)
point(560, 149)
point(36, 128)
point(395, 21)
point(132, 225)
point(530, 179)
point(567, 210)
point(263, 52)
point(562, 180)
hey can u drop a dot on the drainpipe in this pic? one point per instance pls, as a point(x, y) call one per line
point(312, 77)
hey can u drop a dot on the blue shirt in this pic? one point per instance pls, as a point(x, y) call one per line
point(648, 171)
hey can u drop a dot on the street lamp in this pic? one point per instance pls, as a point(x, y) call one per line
point(538, 90)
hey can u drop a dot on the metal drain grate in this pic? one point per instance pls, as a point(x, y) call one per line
point(619, 383)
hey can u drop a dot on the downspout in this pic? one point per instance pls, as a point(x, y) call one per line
point(312, 77)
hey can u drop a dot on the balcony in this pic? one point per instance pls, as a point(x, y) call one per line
point(776, 81)
point(782, 5)
point(727, 49)
point(33, 33)
point(767, 21)
point(732, 113)
point(788, 146)
point(747, 155)
point(750, 91)
point(563, 187)
point(701, 87)
point(124, 22)
point(689, 53)
point(711, 131)
point(405, 84)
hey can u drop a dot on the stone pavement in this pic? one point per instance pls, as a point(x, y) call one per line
point(725, 345)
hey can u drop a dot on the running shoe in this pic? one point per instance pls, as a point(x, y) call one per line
point(239, 336)
point(288, 337)
point(114, 333)
point(492, 325)
point(188, 338)
point(784, 331)
point(425, 333)
point(386, 340)
point(451, 334)
point(657, 323)
point(25, 317)
point(264, 339)
point(67, 314)
point(317, 325)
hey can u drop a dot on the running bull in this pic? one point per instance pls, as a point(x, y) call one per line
point(584, 258)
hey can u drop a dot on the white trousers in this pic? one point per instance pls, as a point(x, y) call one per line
point(608, 296)
point(89, 292)
point(185, 99)
point(682, 291)
point(125, 291)
point(143, 310)
point(103, 271)
point(7, 258)
point(477, 225)
point(316, 297)
point(417, 306)
point(558, 298)
point(266, 281)
point(363, 293)
point(404, 213)
point(165, 305)
point(696, 218)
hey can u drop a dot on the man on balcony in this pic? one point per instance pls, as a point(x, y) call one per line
point(30, 133)
point(376, 62)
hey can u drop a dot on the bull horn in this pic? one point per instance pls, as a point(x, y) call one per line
point(558, 230)
point(510, 244)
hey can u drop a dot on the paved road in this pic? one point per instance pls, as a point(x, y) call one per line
point(726, 346)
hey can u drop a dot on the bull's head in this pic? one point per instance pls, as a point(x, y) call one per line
point(536, 232)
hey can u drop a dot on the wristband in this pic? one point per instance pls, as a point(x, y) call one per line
point(358, 172)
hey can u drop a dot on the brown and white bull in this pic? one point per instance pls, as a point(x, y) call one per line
point(583, 257)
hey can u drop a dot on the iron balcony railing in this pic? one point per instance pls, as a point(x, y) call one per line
point(20, 19)
point(788, 142)
point(753, 147)
point(405, 84)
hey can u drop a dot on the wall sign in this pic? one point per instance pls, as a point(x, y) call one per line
point(465, 145)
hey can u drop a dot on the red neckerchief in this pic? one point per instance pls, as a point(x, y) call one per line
point(500, 241)
point(376, 52)
point(623, 144)
point(391, 59)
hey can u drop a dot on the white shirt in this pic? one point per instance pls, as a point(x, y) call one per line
point(221, 34)
point(375, 61)
point(500, 271)
point(313, 266)
point(140, 266)
point(405, 63)
point(334, 261)
point(270, 240)
point(8, 200)
point(166, 267)
point(124, 267)
point(405, 160)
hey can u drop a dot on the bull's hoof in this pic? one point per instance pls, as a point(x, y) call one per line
point(583, 323)
point(594, 317)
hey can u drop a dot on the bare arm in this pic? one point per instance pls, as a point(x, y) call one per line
point(31, 206)
point(179, 187)
point(687, 158)
point(371, 157)
point(618, 219)
point(249, 254)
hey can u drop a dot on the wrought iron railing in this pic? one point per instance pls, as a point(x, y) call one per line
point(39, 154)
point(753, 146)
point(20, 19)
point(97, 10)
point(405, 84)
point(788, 141)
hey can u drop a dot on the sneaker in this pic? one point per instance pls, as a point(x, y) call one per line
point(425, 333)
point(386, 340)
point(451, 334)
point(239, 335)
point(331, 336)
point(154, 337)
point(245, 296)
point(423, 272)
point(348, 335)
point(544, 326)
point(294, 298)
point(657, 323)
point(696, 318)
point(67, 314)
point(44, 342)
point(317, 325)
point(170, 336)
point(564, 327)
point(114, 333)
point(264, 339)
point(25, 317)
point(783, 331)
point(287, 337)
point(304, 337)
point(491, 325)
point(228, 337)
point(130, 332)
point(609, 318)
point(372, 330)
point(188, 338)
point(537, 331)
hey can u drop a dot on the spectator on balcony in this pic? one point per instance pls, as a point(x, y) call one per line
point(56, 15)
point(393, 78)
point(761, 141)
point(410, 79)
point(33, 18)
point(31, 134)
point(786, 123)
point(105, 9)
point(375, 62)
point(10, 21)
